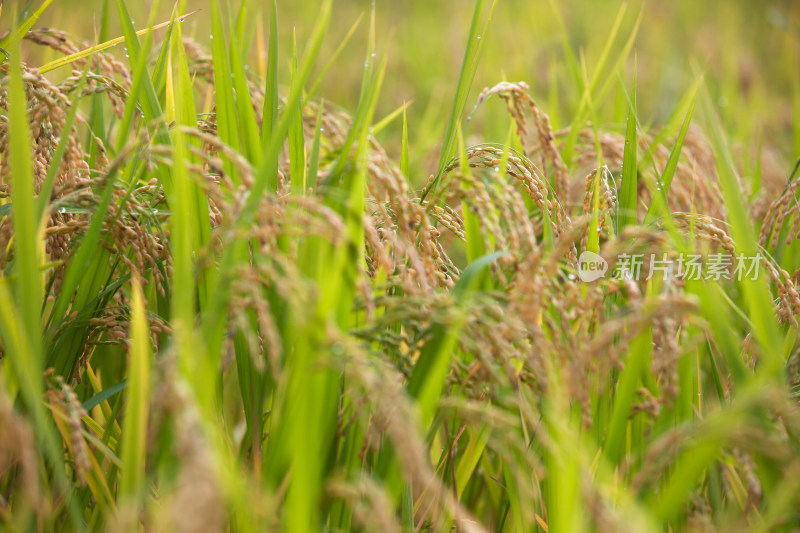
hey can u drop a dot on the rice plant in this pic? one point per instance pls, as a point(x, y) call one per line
point(231, 304)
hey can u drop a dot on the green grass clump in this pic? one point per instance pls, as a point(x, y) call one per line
point(226, 306)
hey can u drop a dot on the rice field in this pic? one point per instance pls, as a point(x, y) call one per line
point(349, 266)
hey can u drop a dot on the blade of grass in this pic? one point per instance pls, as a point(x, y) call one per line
point(593, 90)
point(297, 155)
point(134, 431)
point(677, 118)
point(314, 393)
point(659, 206)
point(427, 378)
point(97, 117)
point(638, 355)
point(26, 25)
point(266, 179)
point(756, 292)
point(270, 106)
point(469, 66)
point(227, 127)
point(104, 395)
point(404, 146)
point(160, 67)
point(313, 159)
point(20, 319)
point(385, 121)
point(197, 207)
point(47, 67)
point(569, 54)
point(89, 270)
point(245, 113)
point(28, 258)
point(241, 21)
point(346, 39)
point(628, 202)
point(471, 457)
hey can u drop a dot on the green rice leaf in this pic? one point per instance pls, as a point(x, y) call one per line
point(469, 66)
point(134, 434)
point(628, 202)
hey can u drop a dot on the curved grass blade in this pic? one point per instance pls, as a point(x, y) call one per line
point(25, 26)
point(469, 66)
point(134, 430)
point(313, 159)
point(270, 107)
point(346, 39)
point(104, 395)
point(47, 67)
point(297, 153)
point(20, 315)
point(756, 291)
point(659, 206)
point(628, 193)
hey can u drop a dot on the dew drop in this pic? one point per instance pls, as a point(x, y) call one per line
point(479, 36)
point(182, 19)
point(322, 129)
point(210, 36)
point(497, 169)
point(62, 210)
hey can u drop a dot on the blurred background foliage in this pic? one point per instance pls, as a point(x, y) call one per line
point(748, 50)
